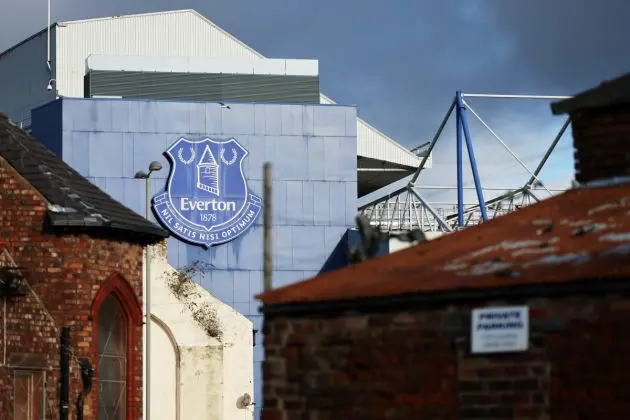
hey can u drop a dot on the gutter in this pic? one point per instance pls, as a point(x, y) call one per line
point(396, 303)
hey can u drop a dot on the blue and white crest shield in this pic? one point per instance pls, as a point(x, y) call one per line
point(207, 201)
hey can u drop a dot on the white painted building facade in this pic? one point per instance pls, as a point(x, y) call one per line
point(201, 350)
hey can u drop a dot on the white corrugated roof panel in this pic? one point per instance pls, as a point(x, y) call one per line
point(373, 144)
point(145, 63)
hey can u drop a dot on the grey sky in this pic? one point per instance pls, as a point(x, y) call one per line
point(401, 61)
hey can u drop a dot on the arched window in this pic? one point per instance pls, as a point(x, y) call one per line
point(117, 321)
point(113, 349)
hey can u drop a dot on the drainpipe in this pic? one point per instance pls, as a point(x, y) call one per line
point(267, 239)
point(4, 331)
point(153, 167)
point(64, 393)
point(147, 385)
point(87, 375)
point(48, 62)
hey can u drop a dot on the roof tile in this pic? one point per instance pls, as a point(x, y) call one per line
point(74, 201)
point(578, 235)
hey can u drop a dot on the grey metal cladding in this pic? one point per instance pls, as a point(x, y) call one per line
point(203, 86)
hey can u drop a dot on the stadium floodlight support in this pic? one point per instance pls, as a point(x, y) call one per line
point(450, 222)
point(462, 126)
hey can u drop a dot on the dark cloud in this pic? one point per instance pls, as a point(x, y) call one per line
point(402, 61)
point(566, 45)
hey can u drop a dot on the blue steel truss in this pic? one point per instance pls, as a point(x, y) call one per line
point(402, 206)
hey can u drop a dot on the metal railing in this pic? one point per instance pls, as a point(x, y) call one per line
point(405, 212)
point(24, 122)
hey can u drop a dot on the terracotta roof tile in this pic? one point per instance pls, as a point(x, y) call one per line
point(578, 235)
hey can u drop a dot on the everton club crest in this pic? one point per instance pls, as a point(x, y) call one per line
point(207, 201)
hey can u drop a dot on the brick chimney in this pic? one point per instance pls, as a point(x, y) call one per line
point(600, 118)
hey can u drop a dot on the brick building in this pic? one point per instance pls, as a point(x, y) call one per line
point(70, 269)
point(396, 337)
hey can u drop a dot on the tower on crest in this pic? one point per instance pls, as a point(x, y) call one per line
point(208, 172)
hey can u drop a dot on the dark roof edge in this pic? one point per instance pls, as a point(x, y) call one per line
point(135, 229)
point(393, 302)
point(152, 234)
point(611, 92)
point(106, 233)
point(24, 41)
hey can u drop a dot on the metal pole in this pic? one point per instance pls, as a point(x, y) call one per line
point(531, 194)
point(460, 173)
point(382, 199)
point(471, 156)
point(431, 210)
point(433, 142)
point(444, 187)
point(267, 239)
point(496, 136)
point(551, 148)
point(148, 303)
point(492, 95)
point(492, 201)
point(48, 63)
point(393, 214)
point(64, 366)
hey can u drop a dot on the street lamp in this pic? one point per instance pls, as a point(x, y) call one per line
point(153, 167)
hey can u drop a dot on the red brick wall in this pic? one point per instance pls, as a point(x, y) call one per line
point(65, 274)
point(416, 364)
point(600, 138)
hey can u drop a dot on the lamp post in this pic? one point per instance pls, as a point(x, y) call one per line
point(153, 167)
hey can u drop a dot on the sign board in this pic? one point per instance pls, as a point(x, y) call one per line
point(499, 330)
point(207, 201)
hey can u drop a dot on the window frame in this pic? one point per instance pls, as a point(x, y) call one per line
point(121, 337)
point(117, 286)
point(30, 373)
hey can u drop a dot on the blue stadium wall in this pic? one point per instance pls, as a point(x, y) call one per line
point(313, 150)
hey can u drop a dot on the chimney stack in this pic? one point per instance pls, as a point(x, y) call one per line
point(600, 118)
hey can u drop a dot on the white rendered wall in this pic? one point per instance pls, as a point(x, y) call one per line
point(213, 373)
point(165, 361)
